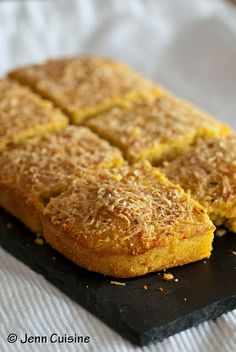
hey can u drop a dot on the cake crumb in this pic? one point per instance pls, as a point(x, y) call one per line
point(204, 261)
point(9, 225)
point(39, 241)
point(185, 299)
point(54, 258)
point(117, 177)
point(117, 283)
point(176, 280)
point(160, 289)
point(220, 232)
point(234, 252)
point(145, 287)
point(168, 277)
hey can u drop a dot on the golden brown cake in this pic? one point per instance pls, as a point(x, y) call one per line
point(208, 171)
point(127, 222)
point(156, 129)
point(23, 114)
point(85, 86)
point(43, 167)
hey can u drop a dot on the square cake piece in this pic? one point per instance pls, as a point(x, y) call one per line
point(85, 86)
point(156, 129)
point(42, 168)
point(208, 172)
point(127, 222)
point(23, 114)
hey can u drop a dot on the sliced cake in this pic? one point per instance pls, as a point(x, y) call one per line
point(156, 129)
point(127, 222)
point(23, 114)
point(208, 172)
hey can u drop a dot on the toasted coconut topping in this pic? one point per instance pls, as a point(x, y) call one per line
point(117, 283)
point(44, 163)
point(140, 210)
point(20, 110)
point(75, 83)
point(208, 171)
point(141, 128)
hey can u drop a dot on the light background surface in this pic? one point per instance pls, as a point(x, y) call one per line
point(187, 45)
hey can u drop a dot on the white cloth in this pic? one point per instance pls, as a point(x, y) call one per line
point(190, 47)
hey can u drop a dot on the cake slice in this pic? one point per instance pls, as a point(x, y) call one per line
point(85, 86)
point(43, 168)
point(208, 172)
point(127, 222)
point(156, 129)
point(23, 114)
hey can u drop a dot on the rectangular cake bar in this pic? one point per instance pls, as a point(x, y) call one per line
point(24, 114)
point(127, 222)
point(156, 128)
point(208, 172)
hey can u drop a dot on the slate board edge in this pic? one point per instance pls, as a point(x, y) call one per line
point(21, 252)
point(211, 312)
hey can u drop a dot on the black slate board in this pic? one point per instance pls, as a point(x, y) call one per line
point(205, 290)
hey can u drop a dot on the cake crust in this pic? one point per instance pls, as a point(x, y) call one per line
point(128, 220)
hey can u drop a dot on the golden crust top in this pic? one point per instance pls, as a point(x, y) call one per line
point(77, 83)
point(156, 128)
point(129, 210)
point(45, 165)
point(22, 110)
point(208, 171)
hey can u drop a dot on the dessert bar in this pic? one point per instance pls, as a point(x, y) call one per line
point(127, 222)
point(24, 114)
point(208, 172)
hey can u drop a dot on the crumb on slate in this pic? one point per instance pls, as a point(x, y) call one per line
point(160, 289)
point(234, 252)
point(117, 283)
point(145, 287)
point(9, 225)
point(39, 241)
point(176, 280)
point(168, 277)
point(220, 232)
